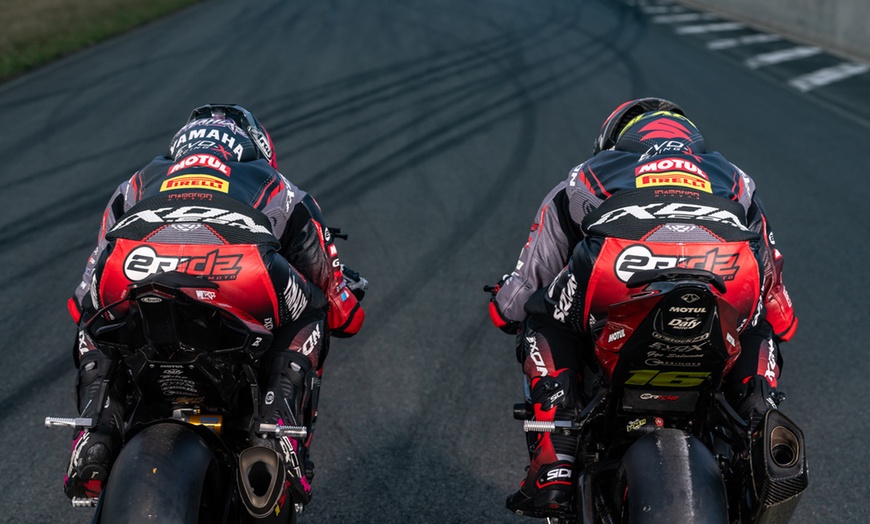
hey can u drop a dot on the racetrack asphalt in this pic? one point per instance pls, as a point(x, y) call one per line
point(429, 131)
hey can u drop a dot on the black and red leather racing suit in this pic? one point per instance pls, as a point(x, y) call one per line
point(670, 198)
point(241, 224)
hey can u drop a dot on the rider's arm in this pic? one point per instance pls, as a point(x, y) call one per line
point(554, 232)
point(308, 245)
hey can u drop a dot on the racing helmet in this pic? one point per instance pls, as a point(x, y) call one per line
point(625, 113)
point(661, 132)
point(226, 130)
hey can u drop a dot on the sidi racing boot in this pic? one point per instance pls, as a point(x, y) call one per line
point(547, 490)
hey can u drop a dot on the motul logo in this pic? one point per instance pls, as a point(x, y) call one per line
point(671, 164)
point(200, 161)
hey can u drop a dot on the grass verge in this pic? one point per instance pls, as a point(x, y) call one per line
point(36, 32)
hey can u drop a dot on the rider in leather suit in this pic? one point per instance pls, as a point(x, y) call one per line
point(217, 191)
point(648, 158)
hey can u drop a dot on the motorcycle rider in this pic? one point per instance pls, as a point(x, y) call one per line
point(218, 186)
point(648, 153)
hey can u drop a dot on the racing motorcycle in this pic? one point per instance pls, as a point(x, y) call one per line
point(192, 411)
point(657, 439)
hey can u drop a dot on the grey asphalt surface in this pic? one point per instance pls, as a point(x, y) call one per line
point(429, 131)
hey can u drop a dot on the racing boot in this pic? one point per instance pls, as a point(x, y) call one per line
point(94, 450)
point(288, 400)
point(758, 398)
point(547, 489)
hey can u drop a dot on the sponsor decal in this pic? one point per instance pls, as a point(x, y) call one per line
point(770, 372)
point(190, 196)
point(197, 181)
point(566, 298)
point(200, 136)
point(639, 257)
point(294, 297)
point(200, 161)
point(205, 295)
point(673, 179)
point(535, 355)
point(680, 340)
point(144, 261)
point(193, 214)
point(672, 211)
point(653, 396)
point(671, 146)
point(616, 335)
point(688, 310)
point(690, 298)
point(684, 323)
point(671, 166)
point(312, 340)
point(635, 425)
point(661, 346)
point(655, 362)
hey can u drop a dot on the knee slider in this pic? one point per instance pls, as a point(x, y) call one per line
point(556, 390)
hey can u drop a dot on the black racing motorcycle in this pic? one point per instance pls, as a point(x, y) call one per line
point(191, 411)
point(657, 440)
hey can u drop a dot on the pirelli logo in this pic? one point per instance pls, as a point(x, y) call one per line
point(673, 179)
point(209, 182)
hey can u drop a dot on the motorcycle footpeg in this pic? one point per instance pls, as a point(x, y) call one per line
point(66, 422)
point(84, 502)
point(261, 480)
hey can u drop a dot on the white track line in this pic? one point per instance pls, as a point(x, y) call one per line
point(709, 28)
point(783, 55)
point(829, 75)
point(687, 17)
point(728, 43)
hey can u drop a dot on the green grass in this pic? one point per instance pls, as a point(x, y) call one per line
point(36, 32)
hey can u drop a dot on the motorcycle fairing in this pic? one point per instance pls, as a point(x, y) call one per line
point(661, 344)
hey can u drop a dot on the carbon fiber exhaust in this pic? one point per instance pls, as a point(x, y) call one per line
point(779, 468)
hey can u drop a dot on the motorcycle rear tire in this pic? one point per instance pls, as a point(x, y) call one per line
point(161, 475)
point(672, 477)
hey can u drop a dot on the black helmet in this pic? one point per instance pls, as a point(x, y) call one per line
point(226, 129)
point(624, 114)
point(660, 132)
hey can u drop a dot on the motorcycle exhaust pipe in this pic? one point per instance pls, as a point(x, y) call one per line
point(261, 480)
point(779, 468)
